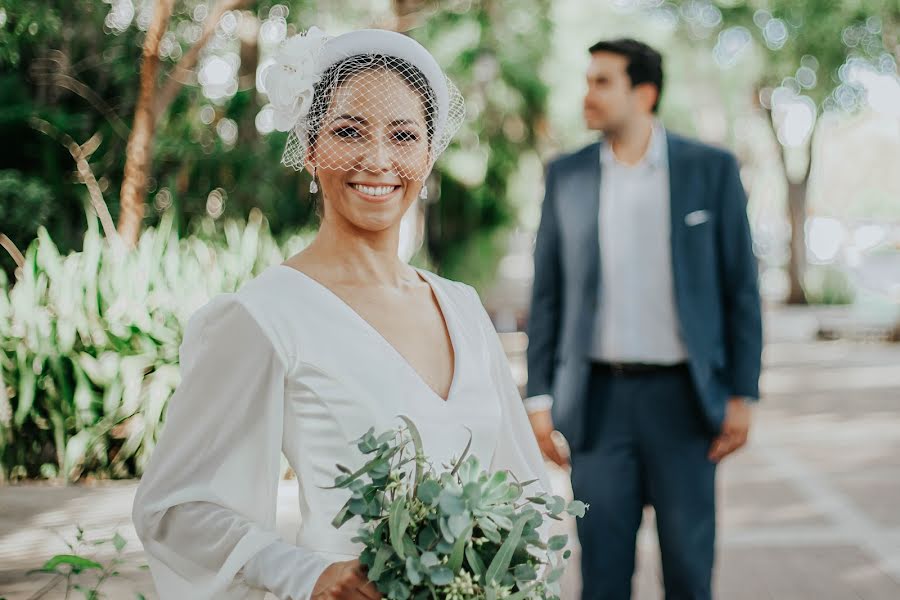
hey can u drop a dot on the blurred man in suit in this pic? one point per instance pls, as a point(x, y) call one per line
point(645, 330)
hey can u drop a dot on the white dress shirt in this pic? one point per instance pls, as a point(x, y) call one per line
point(636, 320)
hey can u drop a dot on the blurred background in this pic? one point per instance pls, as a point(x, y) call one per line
point(140, 176)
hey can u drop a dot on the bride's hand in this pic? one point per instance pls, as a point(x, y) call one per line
point(344, 581)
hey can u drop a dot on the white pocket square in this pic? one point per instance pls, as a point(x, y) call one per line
point(695, 218)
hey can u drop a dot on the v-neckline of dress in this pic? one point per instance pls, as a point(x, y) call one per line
point(442, 307)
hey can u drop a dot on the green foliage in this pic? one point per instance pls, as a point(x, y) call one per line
point(25, 205)
point(819, 34)
point(827, 284)
point(74, 568)
point(460, 534)
point(70, 68)
point(89, 342)
point(491, 50)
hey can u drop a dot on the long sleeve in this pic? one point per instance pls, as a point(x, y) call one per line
point(516, 450)
point(743, 321)
point(205, 507)
point(546, 301)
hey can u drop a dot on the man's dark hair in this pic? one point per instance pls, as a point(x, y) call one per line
point(644, 63)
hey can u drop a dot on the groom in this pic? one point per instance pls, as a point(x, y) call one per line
point(645, 331)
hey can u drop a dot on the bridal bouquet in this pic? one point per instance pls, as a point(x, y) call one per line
point(460, 534)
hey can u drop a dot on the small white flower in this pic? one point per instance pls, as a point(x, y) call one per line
point(290, 81)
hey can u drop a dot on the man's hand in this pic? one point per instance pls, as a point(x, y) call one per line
point(542, 424)
point(735, 428)
point(344, 581)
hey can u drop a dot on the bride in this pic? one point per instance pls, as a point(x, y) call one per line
point(313, 352)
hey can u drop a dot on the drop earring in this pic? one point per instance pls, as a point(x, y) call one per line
point(423, 193)
point(313, 186)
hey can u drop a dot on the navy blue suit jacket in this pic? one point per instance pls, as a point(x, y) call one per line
point(714, 273)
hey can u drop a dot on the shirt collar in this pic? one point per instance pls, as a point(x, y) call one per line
point(655, 156)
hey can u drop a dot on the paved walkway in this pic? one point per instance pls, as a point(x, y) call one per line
point(810, 510)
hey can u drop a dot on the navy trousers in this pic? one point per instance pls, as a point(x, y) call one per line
point(647, 444)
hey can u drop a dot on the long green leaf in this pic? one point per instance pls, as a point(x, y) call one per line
point(381, 557)
point(398, 520)
point(504, 555)
point(369, 466)
point(78, 563)
point(459, 547)
point(463, 455)
point(475, 561)
point(420, 451)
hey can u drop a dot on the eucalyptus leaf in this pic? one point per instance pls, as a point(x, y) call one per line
point(504, 555)
point(441, 576)
point(558, 542)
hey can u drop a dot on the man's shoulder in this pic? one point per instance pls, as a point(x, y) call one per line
point(572, 159)
point(690, 148)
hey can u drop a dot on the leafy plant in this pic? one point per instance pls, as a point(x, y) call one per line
point(89, 342)
point(460, 534)
point(72, 568)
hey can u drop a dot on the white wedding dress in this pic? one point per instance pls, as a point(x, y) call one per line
point(285, 366)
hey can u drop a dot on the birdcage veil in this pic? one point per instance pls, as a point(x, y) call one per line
point(365, 95)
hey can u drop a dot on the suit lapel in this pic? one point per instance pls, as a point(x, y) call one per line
point(591, 211)
point(679, 203)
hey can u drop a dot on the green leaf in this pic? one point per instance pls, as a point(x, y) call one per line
point(412, 571)
point(556, 504)
point(459, 547)
point(369, 466)
point(25, 397)
point(429, 559)
point(504, 555)
point(489, 529)
point(451, 502)
point(118, 542)
point(398, 520)
point(558, 542)
point(420, 449)
point(410, 547)
point(524, 572)
point(555, 574)
point(577, 508)
point(445, 531)
point(377, 568)
point(397, 590)
point(462, 456)
point(343, 516)
point(523, 593)
point(441, 576)
point(475, 562)
point(77, 563)
point(458, 524)
point(429, 491)
point(428, 536)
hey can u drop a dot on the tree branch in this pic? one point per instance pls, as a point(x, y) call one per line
point(12, 250)
point(84, 169)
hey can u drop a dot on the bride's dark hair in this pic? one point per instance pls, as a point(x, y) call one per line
point(338, 74)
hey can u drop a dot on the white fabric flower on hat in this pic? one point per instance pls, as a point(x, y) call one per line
point(291, 80)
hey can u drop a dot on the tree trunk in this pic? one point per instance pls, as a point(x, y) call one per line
point(796, 207)
point(796, 214)
point(139, 152)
